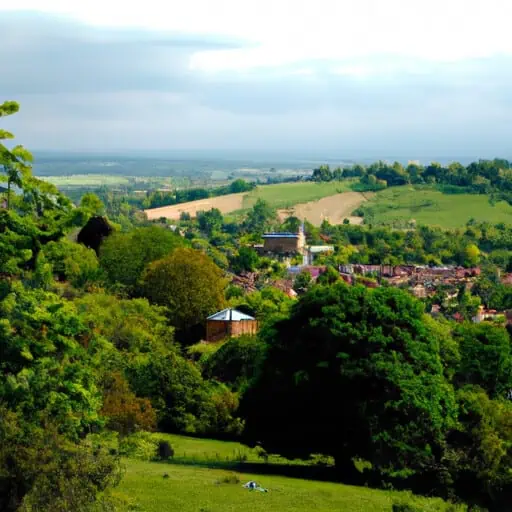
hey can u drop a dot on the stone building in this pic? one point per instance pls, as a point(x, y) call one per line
point(284, 243)
point(229, 323)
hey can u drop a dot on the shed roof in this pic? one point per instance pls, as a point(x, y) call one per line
point(230, 314)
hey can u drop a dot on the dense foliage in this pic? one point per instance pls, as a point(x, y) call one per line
point(353, 374)
point(94, 330)
point(190, 285)
point(364, 374)
point(124, 256)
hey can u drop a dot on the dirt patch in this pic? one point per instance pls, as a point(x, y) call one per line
point(225, 204)
point(333, 208)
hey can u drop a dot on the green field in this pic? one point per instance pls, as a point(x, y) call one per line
point(285, 195)
point(87, 180)
point(200, 480)
point(398, 206)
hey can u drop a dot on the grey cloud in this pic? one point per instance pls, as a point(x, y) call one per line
point(82, 87)
point(45, 54)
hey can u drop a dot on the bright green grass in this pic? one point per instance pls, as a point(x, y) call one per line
point(425, 205)
point(86, 180)
point(284, 195)
point(194, 487)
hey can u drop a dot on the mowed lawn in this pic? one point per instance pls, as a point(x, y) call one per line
point(428, 206)
point(284, 195)
point(192, 486)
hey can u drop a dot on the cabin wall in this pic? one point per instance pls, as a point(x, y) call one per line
point(217, 330)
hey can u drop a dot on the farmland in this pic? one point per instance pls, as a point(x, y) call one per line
point(283, 195)
point(225, 204)
point(286, 195)
point(399, 206)
point(197, 483)
point(332, 208)
point(87, 180)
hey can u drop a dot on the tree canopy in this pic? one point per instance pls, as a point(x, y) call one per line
point(353, 373)
point(190, 285)
point(124, 256)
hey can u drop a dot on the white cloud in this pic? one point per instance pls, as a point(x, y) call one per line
point(290, 31)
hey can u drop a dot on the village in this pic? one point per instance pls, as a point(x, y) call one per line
point(420, 280)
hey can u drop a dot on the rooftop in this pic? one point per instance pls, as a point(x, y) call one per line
point(281, 235)
point(321, 248)
point(230, 314)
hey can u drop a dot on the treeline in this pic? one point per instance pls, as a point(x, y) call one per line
point(484, 176)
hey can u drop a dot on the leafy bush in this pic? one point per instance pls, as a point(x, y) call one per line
point(141, 445)
point(72, 262)
point(165, 450)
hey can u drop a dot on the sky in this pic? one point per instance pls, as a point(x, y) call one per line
point(360, 78)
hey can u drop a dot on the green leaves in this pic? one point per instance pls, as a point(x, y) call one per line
point(8, 108)
point(4, 134)
point(46, 369)
point(353, 373)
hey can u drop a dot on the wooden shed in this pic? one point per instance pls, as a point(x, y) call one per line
point(229, 323)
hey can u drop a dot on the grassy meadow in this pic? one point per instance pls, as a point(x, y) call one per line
point(207, 476)
point(425, 205)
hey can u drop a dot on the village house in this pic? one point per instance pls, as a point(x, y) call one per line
point(313, 251)
point(229, 323)
point(313, 271)
point(287, 244)
point(490, 315)
point(419, 291)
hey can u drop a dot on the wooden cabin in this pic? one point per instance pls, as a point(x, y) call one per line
point(229, 323)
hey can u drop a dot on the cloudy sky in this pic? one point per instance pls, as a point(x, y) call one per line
point(347, 78)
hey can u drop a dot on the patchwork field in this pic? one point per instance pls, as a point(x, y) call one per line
point(200, 480)
point(282, 195)
point(225, 204)
point(399, 206)
point(285, 195)
point(333, 208)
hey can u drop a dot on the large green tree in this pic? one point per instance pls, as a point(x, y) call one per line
point(353, 373)
point(124, 256)
point(190, 285)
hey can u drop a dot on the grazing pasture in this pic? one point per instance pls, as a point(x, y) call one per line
point(403, 206)
point(207, 476)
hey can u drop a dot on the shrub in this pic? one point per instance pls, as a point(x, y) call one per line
point(141, 445)
point(165, 450)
